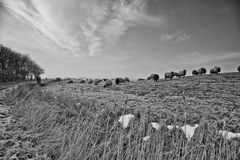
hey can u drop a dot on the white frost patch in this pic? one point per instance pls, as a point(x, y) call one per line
point(146, 138)
point(170, 127)
point(124, 120)
point(229, 135)
point(155, 125)
point(189, 130)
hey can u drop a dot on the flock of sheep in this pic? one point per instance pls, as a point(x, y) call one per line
point(172, 74)
point(154, 77)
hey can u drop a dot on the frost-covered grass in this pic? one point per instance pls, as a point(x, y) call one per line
point(73, 128)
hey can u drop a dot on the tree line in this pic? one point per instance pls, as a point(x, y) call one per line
point(15, 66)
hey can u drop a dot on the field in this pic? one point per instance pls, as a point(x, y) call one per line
point(80, 121)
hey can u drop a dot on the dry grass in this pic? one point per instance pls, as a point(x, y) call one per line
point(84, 124)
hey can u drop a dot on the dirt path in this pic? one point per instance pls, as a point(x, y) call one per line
point(15, 143)
point(5, 120)
point(5, 117)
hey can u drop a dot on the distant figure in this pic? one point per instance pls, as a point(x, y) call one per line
point(182, 73)
point(215, 70)
point(194, 72)
point(107, 83)
point(126, 79)
point(38, 80)
point(154, 77)
point(201, 71)
point(168, 75)
point(97, 81)
point(140, 79)
point(204, 71)
point(238, 68)
point(119, 80)
point(175, 74)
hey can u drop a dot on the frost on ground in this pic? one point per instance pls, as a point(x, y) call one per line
point(229, 135)
point(125, 119)
point(189, 130)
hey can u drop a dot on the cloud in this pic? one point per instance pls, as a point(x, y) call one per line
point(110, 20)
point(35, 14)
point(82, 26)
point(175, 37)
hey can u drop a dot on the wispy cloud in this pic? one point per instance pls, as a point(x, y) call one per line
point(35, 14)
point(175, 37)
point(100, 22)
point(110, 20)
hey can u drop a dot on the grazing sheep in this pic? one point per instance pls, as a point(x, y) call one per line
point(70, 81)
point(58, 79)
point(215, 70)
point(168, 75)
point(182, 73)
point(154, 77)
point(238, 68)
point(90, 81)
point(212, 71)
point(81, 81)
point(126, 79)
point(140, 79)
point(201, 71)
point(97, 81)
point(175, 74)
point(218, 69)
point(194, 72)
point(107, 83)
point(119, 80)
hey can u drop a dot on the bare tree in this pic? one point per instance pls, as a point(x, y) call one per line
point(16, 66)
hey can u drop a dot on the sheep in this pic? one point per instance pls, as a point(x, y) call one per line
point(175, 74)
point(154, 77)
point(70, 81)
point(168, 75)
point(212, 71)
point(58, 79)
point(218, 69)
point(90, 81)
point(107, 83)
point(97, 81)
point(194, 72)
point(81, 81)
point(215, 70)
point(201, 71)
point(126, 79)
point(119, 80)
point(182, 73)
point(238, 68)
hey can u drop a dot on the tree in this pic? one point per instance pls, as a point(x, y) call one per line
point(16, 66)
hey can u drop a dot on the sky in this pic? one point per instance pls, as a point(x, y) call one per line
point(118, 38)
